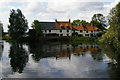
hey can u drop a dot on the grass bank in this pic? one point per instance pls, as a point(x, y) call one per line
point(83, 40)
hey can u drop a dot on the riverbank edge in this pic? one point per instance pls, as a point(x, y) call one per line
point(61, 39)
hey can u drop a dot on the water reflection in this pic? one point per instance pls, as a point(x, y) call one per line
point(60, 60)
point(1, 49)
point(19, 57)
point(113, 65)
point(62, 50)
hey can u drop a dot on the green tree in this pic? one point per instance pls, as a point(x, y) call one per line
point(18, 24)
point(99, 21)
point(84, 23)
point(1, 29)
point(76, 22)
point(80, 22)
point(37, 26)
point(112, 35)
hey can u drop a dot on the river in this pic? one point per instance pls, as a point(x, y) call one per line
point(57, 60)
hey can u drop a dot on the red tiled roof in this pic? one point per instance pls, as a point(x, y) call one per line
point(65, 24)
point(92, 28)
point(87, 28)
point(76, 27)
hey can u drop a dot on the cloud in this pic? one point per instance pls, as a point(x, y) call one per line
point(48, 10)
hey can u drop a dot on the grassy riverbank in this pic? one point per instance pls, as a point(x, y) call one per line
point(83, 39)
point(61, 39)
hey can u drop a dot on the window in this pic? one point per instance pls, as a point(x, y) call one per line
point(45, 30)
point(60, 30)
point(80, 35)
point(87, 47)
point(68, 27)
point(67, 34)
point(67, 30)
point(49, 30)
point(98, 30)
point(91, 46)
point(80, 30)
point(62, 27)
point(86, 34)
point(91, 31)
point(61, 34)
point(73, 31)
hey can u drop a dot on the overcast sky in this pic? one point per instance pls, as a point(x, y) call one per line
point(49, 10)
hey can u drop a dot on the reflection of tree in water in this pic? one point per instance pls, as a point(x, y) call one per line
point(19, 57)
point(1, 49)
point(37, 51)
point(40, 50)
point(98, 56)
point(114, 65)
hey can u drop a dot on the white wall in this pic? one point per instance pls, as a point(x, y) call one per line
point(69, 32)
point(63, 32)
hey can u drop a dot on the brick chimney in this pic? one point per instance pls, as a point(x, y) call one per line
point(69, 20)
point(55, 20)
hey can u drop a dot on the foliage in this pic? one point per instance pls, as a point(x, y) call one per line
point(32, 34)
point(37, 26)
point(112, 35)
point(18, 24)
point(19, 57)
point(99, 21)
point(114, 56)
point(83, 40)
point(6, 37)
point(80, 23)
point(1, 31)
point(100, 33)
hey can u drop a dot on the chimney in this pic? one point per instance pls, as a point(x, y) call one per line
point(55, 20)
point(69, 20)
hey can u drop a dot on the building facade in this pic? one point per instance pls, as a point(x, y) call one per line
point(64, 28)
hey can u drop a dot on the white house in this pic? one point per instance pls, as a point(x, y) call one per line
point(64, 28)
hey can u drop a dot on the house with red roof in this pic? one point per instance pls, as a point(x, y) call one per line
point(65, 28)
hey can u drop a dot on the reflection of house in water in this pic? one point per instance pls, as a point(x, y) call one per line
point(63, 54)
point(74, 49)
point(85, 48)
point(65, 50)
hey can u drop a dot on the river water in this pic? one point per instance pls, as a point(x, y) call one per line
point(57, 60)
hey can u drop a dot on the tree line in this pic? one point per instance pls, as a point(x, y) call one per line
point(97, 20)
point(112, 35)
point(18, 24)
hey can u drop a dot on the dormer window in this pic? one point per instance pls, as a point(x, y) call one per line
point(68, 27)
point(62, 27)
point(98, 30)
